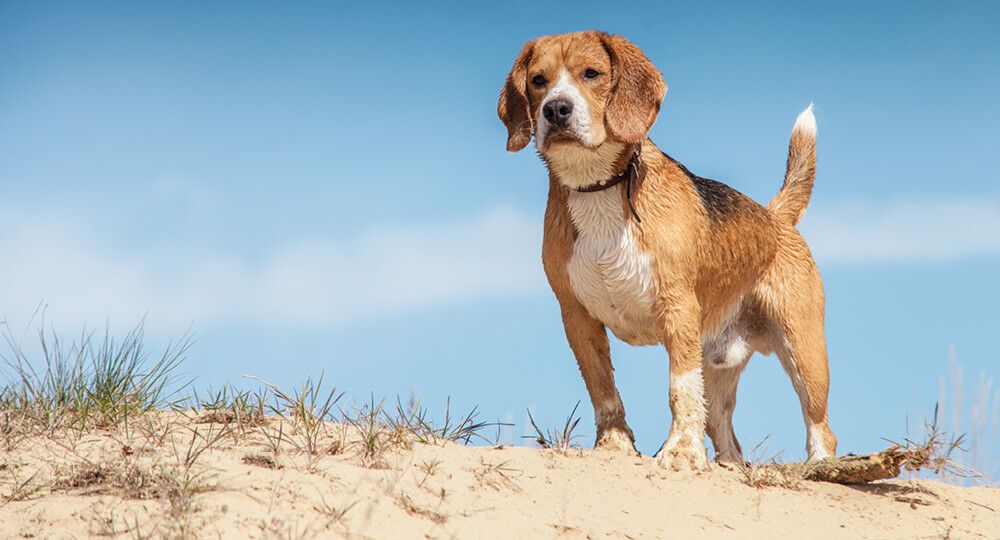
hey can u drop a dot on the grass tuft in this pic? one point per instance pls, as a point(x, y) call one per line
point(562, 440)
point(89, 383)
point(310, 409)
point(372, 434)
point(245, 410)
point(935, 453)
point(416, 421)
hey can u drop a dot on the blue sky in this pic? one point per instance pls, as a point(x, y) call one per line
point(324, 187)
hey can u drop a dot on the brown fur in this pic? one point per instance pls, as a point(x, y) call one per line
point(715, 254)
point(790, 203)
point(638, 90)
point(513, 107)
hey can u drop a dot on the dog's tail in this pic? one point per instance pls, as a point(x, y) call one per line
point(790, 203)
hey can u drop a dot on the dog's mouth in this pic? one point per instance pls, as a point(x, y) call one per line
point(562, 136)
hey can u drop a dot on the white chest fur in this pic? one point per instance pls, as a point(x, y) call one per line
point(610, 275)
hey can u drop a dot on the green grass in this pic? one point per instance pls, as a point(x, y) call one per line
point(66, 389)
point(244, 409)
point(94, 381)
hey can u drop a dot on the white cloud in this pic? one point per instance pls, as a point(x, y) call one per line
point(904, 231)
point(319, 283)
point(308, 282)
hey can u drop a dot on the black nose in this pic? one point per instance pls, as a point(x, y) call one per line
point(558, 111)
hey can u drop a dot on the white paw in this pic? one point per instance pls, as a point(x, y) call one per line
point(683, 455)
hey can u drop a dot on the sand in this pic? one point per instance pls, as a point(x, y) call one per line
point(152, 482)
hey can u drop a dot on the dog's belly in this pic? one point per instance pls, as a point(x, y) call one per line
point(608, 272)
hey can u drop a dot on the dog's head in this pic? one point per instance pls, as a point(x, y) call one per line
point(579, 89)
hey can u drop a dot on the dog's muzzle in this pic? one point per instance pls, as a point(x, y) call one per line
point(558, 113)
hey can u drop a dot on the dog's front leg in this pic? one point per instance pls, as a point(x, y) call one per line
point(684, 448)
point(589, 340)
point(587, 336)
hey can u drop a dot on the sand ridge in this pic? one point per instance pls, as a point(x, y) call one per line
point(207, 480)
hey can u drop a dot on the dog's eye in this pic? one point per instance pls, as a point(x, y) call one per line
point(591, 74)
point(538, 81)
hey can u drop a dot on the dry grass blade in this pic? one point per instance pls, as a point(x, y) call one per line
point(935, 452)
point(497, 475)
point(407, 503)
point(199, 444)
point(20, 489)
point(562, 440)
point(764, 470)
point(333, 513)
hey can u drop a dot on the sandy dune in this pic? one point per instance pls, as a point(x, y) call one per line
point(158, 483)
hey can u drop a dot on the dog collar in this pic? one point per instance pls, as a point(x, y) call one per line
point(632, 176)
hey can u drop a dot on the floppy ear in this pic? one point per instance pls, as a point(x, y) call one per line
point(637, 92)
point(513, 108)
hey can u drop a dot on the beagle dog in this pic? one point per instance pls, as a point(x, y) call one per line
point(637, 243)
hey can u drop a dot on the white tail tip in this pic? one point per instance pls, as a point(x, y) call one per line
point(806, 122)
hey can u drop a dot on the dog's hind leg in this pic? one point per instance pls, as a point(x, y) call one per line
point(802, 352)
point(792, 290)
point(720, 394)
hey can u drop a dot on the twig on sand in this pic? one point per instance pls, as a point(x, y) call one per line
point(932, 454)
point(852, 469)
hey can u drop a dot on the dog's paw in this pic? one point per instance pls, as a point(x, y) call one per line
point(616, 440)
point(683, 457)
